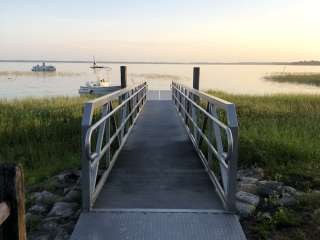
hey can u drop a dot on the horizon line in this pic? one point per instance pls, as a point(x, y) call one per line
point(301, 62)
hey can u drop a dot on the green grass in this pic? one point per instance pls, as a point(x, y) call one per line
point(41, 134)
point(297, 78)
point(281, 134)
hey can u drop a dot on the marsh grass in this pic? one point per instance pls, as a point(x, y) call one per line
point(281, 134)
point(42, 134)
point(297, 78)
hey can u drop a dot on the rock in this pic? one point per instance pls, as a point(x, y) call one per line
point(248, 198)
point(289, 190)
point(76, 215)
point(38, 209)
point(248, 180)
point(247, 187)
point(245, 209)
point(62, 234)
point(287, 200)
point(266, 215)
point(317, 213)
point(69, 177)
point(63, 210)
point(49, 225)
point(72, 196)
point(46, 198)
point(257, 173)
point(66, 190)
point(268, 188)
point(40, 236)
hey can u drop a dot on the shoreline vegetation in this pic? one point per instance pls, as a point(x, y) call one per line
point(295, 78)
point(279, 133)
point(43, 134)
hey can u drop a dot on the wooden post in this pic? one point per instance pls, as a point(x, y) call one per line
point(12, 195)
point(196, 77)
point(123, 71)
point(195, 113)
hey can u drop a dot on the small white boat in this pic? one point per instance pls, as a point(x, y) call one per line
point(100, 87)
point(43, 68)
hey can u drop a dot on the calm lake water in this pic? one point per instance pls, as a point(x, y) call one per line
point(17, 80)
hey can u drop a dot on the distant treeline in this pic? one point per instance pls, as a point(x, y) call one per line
point(310, 63)
point(306, 63)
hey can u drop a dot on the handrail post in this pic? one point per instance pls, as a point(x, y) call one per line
point(85, 162)
point(232, 178)
point(233, 161)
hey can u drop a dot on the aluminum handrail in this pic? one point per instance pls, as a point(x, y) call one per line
point(223, 157)
point(131, 101)
point(189, 102)
point(103, 120)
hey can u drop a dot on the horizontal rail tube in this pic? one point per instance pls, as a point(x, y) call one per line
point(101, 120)
point(222, 125)
point(93, 157)
point(221, 158)
point(113, 96)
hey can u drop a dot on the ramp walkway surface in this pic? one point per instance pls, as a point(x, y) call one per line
point(158, 188)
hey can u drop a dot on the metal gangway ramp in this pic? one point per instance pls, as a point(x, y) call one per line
point(159, 165)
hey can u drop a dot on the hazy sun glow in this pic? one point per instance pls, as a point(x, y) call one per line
point(144, 30)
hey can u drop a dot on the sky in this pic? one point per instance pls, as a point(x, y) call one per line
point(160, 30)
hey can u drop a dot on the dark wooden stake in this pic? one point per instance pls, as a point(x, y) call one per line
point(12, 193)
point(196, 78)
point(123, 71)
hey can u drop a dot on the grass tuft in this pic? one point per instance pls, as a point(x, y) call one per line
point(297, 78)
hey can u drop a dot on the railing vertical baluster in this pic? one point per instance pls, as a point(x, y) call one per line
point(217, 130)
point(107, 136)
point(218, 138)
point(101, 129)
point(195, 118)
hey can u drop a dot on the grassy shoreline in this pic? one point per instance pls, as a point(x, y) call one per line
point(279, 133)
point(42, 134)
point(296, 78)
